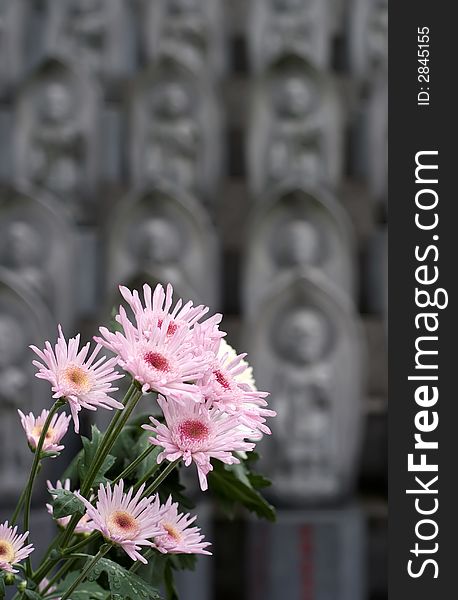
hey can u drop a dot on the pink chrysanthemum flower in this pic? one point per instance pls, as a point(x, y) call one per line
point(124, 519)
point(83, 381)
point(33, 428)
point(197, 433)
point(12, 549)
point(158, 305)
point(84, 525)
point(179, 537)
point(224, 387)
point(161, 362)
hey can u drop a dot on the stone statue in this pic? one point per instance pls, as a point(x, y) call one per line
point(175, 136)
point(37, 249)
point(56, 139)
point(305, 347)
point(92, 32)
point(297, 230)
point(299, 28)
point(295, 129)
point(23, 320)
point(12, 16)
point(188, 31)
point(164, 236)
point(368, 38)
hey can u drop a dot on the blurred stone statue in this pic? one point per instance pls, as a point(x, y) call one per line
point(12, 15)
point(57, 137)
point(295, 131)
point(37, 250)
point(13, 380)
point(23, 252)
point(163, 235)
point(24, 320)
point(368, 38)
point(297, 230)
point(175, 132)
point(189, 31)
point(305, 347)
point(91, 32)
point(299, 28)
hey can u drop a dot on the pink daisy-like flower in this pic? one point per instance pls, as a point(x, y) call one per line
point(124, 519)
point(196, 432)
point(179, 537)
point(158, 305)
point(224, 387)
point(161, 362)
point(12, 549)
point(33, 428)
point(83, 381)
point(84, 525)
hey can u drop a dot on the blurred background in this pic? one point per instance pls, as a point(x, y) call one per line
point(237, 149)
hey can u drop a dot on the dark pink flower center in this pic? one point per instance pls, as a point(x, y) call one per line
point(194, 430)
point(157, 361)
point(221, 380)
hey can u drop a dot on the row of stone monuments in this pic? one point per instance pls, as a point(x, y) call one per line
point(112, 155)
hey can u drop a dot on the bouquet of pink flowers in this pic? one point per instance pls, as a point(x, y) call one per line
point(202, 406)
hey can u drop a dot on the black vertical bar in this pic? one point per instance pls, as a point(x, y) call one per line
point(414, 128)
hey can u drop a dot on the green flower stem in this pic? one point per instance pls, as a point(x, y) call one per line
point(130, 402)
point(137, 564)
point(133, 465)
point(87, 540)
point(59, 574)
point(160, 478)
point(86, 570)
point(34, 471)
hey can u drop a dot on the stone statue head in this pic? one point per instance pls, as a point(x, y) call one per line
point(293, 97)
point(297, 243)
point(158, 242)
point(287, 5)
point(11, 340)
point(302, 336)
point(171, 100)
point(22, 246)
point(56, 102)
point(183, 7)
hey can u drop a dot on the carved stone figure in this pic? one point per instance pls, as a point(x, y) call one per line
point(161, 235)
point(297, 230)
point(91, 32)
point(23, 320)
point(56, 139)
point(37, 249)
point(12, 13)
point(290, 27)
point(368, 38)
point(295, 129)
point(175, 131)
point(305, 347)
point(189, 31)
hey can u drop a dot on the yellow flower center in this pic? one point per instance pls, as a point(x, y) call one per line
point(77, 378)
point(123, 524)
point(172, 531)
point(36, 432)
point(6, 551)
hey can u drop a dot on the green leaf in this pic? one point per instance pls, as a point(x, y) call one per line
point(150, 462)
point(87, 590)
point(72, 471)
point(89, 450)
point(233, 484)
point(123, 584)
point(65, 503)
